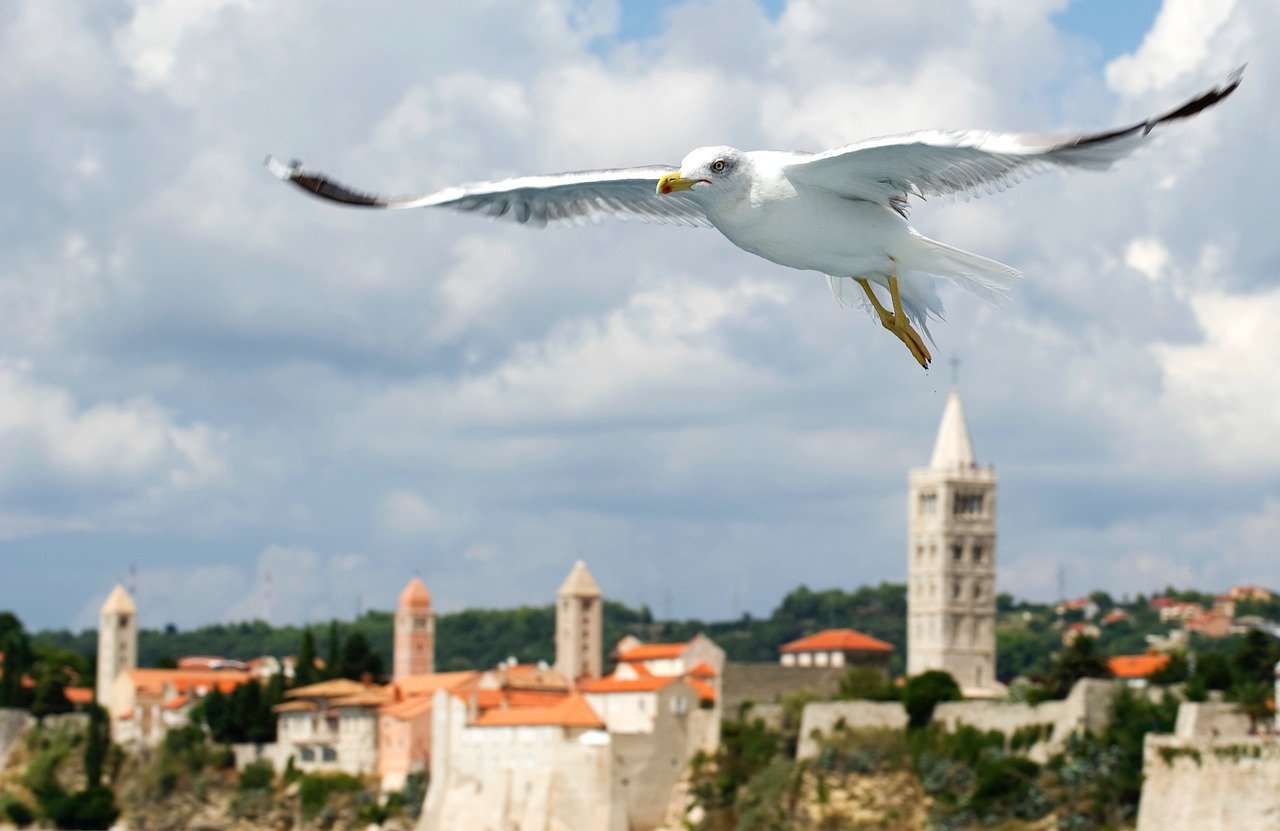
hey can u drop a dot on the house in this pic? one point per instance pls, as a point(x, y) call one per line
point(404, 730)
point(1136, 668)
point(331, 726)
point(1077, 630)
point(145, 703)
point(1115, 616)
point(1213, 624)
point(836, 648)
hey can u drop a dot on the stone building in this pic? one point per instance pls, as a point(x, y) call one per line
point(117, 642)
point(951, 561)
point(330, 727)
point(578, 625)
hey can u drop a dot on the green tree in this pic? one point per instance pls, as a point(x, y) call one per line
point(18, 661)
point(50, 695)
point(1078, 660)
point(923, 692)
point(1255, 658)
point(867, 683)
point(358, 660)
point(97, 744)
point(304, 673)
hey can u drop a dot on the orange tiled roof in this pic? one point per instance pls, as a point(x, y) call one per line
point(176, 703)
point(369, 697)
point(572, 711)
point(428, 683)
point(702, 670)
point(335, 688)
point(295, 707)
point(653, 652)
point(1136, 666)
point(79, 695)
point(844, 640)
point(704, 690)
point(407, 709)
point(154, 681)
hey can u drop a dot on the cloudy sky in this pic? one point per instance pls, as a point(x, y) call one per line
point(210, 378)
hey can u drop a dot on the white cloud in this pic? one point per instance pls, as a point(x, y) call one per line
point(1147, 256)
point(1179, 42)
point(408, 514)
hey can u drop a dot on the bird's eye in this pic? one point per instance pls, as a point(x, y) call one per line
point(717, 166)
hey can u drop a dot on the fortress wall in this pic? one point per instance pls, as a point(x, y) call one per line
point(1222, 784)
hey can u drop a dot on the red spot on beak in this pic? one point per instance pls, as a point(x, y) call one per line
point(666, 188)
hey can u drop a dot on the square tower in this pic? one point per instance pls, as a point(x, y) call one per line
point(414, 650)
point(579, 621)
point(117, 642)
point(951, 561)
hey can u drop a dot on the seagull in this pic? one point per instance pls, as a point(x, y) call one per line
point(842, 212)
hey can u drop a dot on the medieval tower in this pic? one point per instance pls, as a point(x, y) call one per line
point(117, 642)
point(415, 633)
point(578, 626)
point(951, 561)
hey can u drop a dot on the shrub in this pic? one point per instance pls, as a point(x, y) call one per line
point(922, 693)
point(16, 811)
point(257, 776)
point(314, 790)
point(94, 807)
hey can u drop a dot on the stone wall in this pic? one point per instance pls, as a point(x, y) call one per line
point(1222, 784)
point(762, 683)
point(12, 723)
point(1086, 708)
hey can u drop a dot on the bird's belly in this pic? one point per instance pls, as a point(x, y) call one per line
point(843, 237)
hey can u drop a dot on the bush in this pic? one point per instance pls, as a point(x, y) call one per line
point(16, 811)
point(257, 776)
point(94, 807)
point(314, 790)
point(922, 693)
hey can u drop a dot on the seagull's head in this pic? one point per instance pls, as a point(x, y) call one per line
point(713, 172)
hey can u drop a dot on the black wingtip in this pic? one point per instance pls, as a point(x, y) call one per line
point(1201, 102)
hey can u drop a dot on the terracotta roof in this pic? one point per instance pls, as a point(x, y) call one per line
point(415, 596)
point(653, 652)
point(611, 684)
point(702, 670)
point(295, 707)
point(176, 703)
point(428, 683)
point(79, 695)
point(154, 681)
point(705, 691)
point(572, 711)
point(371, 697)
point(1136, 666)
point(407, 709)
point(843, 640)
point(335, 688)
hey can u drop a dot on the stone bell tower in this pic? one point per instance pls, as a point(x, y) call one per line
point(951, 561)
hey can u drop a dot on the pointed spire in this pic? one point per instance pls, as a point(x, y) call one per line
point(119, 601)
point(952, 449)
point(579, 583)
point(415, 596)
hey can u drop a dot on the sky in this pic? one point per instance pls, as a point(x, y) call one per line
point(247, 403)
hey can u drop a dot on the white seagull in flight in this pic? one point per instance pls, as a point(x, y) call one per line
point(842, 212)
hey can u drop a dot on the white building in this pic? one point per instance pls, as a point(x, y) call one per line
point(330, 727)
point(951, 561)
point(117, 642)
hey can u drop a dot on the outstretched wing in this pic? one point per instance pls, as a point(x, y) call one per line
point(574, 198)
point(973, 162)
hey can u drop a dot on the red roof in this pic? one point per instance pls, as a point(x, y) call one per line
point(79, 695)
point(839, 640)
point(704, 690)
point(702, 670)
point(571, 711)
point(653, 652)
point(1136, 666)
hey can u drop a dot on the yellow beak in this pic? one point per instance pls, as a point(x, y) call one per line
point(673, 182)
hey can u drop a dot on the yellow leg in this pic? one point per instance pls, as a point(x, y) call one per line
point(897, 322)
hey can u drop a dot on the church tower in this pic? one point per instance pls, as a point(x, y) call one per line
point(117, 642)
point(951, 561)
point(578, 626)
point(415, 633)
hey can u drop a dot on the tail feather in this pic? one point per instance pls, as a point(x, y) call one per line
point(981, 277)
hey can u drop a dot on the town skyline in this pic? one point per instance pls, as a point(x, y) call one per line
point(206, 376)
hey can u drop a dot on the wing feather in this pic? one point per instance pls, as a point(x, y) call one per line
point(573, 198)
point(967, 163)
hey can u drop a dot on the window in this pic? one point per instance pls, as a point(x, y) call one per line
point(928, 504)
point(957, 553)
point(977, 553)
point(967, 504)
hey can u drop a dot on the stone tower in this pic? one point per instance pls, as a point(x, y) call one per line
point(578, 625)
point(951, 561)
point(117, 642)
point(415, 638)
